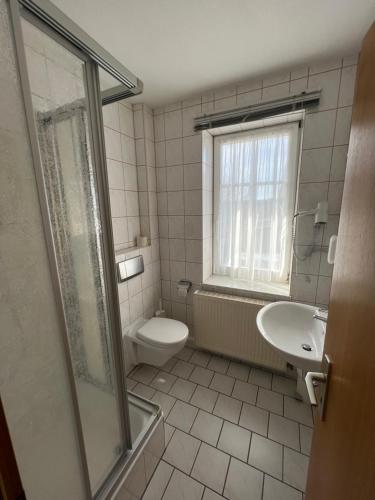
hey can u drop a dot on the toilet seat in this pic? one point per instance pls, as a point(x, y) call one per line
point(162, 332)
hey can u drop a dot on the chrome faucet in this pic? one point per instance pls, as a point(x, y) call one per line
point(321, 314)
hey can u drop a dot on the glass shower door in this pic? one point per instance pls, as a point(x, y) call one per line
point(59, 87)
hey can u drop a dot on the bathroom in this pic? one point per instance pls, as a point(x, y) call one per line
point(192, 330)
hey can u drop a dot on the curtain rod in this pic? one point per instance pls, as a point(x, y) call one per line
point(258, 111)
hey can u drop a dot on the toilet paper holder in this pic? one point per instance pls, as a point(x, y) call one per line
point(183, 287)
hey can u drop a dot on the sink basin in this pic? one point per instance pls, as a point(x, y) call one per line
point(290, 328)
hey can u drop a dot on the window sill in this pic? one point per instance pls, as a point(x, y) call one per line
point(255, 289)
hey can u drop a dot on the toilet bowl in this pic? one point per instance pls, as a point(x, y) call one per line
point(154, 341)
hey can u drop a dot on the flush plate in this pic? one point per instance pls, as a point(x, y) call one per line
point(130, 268)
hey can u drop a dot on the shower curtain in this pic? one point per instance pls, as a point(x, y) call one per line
point(72, 236)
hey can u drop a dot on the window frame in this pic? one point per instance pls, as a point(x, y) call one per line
point(256, 286)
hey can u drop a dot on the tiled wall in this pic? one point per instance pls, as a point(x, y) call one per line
point(122, 173)
point(132, 182)
point(182, 175)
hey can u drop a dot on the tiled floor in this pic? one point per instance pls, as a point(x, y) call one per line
point(232, 431)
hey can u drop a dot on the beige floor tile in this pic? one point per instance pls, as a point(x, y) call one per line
point(182, 369)
point(218, 364)
point(159, 481)
point(266, 455)
point(163, 381)
point(201, 376)
point(284, 385)
point(227, 408)
point(295, 469)
point(181, 451)
point(207, 427)
point(182, 486)
point(261, 378)
point(270, 400)
point(243, 482)
point(200, 358)
point(284, 431)
point(167, 367)
point(276, 490)
point(234, 440)
point(204, 398)
point(238, 370)
point(182, 389)
point(210, 467)
point(185, 354)
point(211, 495)
point(182, 416)
point(255, 419)
point(306, 434)
point(298, 410)
point(168, 432)
point(222, 383)
point(245, 392)
point(144, 374)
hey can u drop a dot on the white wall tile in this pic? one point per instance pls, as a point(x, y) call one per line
point(338, 166)
point(249, 98)
point(311, 193)
point(176, 226)
point(126, 120)
point(159, 127)
point(175, 178)
point(319, 129)
point(112, 144)
point(173, 124)
point(343, 122)
point(117, 200)
point(315, 165)
point(304, 286)
point(176, 203)
point(192, 149)
point(188, 115)
point(177, 249)
point(128, 150)
point(193, 176)
point(335, 191)
point(348, 78)
point(249, 86)
point(275, 92)
point(224, 104)
point(322, 66)
point(173, 152)
point(115, 174)
point(193, 202)
point(329, 83)
point(298, 86)
point(111, 116)
point(193, 227)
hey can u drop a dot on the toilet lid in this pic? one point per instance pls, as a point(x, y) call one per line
point(163, 332)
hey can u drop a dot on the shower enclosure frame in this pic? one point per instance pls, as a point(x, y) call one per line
point(92, 60)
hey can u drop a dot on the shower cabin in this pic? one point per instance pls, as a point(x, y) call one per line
point(66, 77)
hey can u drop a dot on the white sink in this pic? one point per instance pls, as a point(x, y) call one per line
point(289, 327)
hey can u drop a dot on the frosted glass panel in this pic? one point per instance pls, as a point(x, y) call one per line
point(57, 79)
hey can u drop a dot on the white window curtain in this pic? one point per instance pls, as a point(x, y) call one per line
point(254, 196)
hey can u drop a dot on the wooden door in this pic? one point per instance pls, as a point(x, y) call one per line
point(342, 465)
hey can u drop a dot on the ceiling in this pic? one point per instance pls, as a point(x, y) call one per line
point(183, 47)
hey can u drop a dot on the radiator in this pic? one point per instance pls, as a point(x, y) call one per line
point(226, 324)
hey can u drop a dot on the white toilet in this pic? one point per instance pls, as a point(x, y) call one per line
point(154, 341)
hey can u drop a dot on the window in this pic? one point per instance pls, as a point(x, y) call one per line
point(254, 196)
